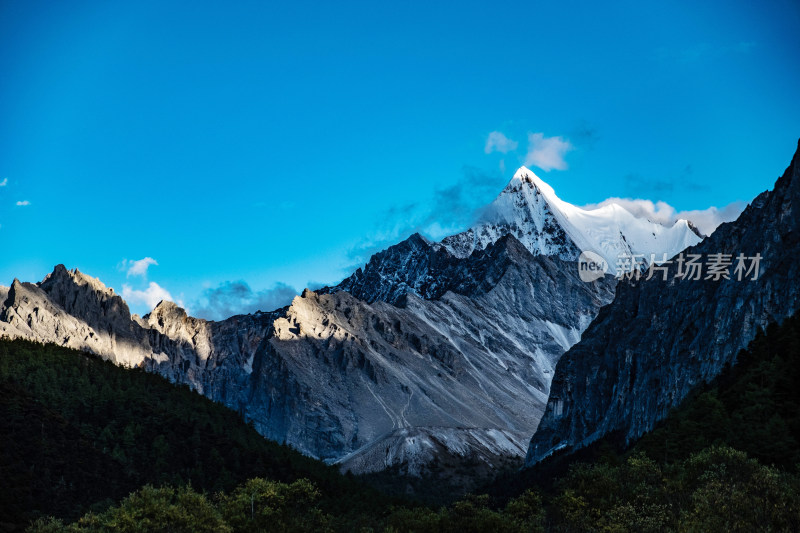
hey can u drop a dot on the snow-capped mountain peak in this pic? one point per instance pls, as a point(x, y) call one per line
point(529, 209)
point(524, 175)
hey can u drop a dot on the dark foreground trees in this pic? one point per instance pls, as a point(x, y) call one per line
point(717, 489)
point(108, 449)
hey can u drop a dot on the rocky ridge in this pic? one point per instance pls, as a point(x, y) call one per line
point(332, 374)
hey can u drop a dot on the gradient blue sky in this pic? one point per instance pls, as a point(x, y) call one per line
point(282, 142)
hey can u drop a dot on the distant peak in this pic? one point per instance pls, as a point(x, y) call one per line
point(415, 240)
point(166, 310)
point(525, 174)
point(60, 273)
point(522, 171)
point(525, 177)
point(694, 228)
point(510, 243)
point(167, 306)
point(17, 290)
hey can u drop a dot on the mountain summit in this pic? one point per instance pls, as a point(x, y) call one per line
point(529, 209)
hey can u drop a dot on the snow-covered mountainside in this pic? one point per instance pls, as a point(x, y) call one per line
point(529, 209)
point(430, 349)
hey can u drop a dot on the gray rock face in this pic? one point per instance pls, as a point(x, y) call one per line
point(454, 362)
point(417, 265)
point(337, 374)
point(659, 339)
point(430, 348)
point(413, 265)
point(333, 375)
point(74, 310)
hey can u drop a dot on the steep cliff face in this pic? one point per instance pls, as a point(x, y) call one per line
point(337, 374)
point(340, 378)
point(215, 358)
point(429, 270)
point(77, 311)
point(659, 339)
point(413, 265)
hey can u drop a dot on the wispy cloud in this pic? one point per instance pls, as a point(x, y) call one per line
point(498, 142)
point(150, 296)
point(459, 203)
point(706, 220)
point(237, 298)
point(138, 268)
point(547, 153)
point(4, 182)
point(450, 210)
point(23, 202)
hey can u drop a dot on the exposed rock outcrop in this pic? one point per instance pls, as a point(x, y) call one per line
point(332, 373)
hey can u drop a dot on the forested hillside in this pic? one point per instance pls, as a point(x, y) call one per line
point(727, 458)
point(80, 435)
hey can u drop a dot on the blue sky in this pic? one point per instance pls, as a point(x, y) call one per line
point(277, 144)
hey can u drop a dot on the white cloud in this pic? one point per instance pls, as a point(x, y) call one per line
point(660, 212)
point(706, 220)
point(498, 142)
point(23, 202)
point(547, 153)
point(458, 205)
point(150, 296)
point(4, 182)
point(138, 268)
point(437, 231)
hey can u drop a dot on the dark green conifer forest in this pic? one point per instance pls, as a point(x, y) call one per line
point(88, 446)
